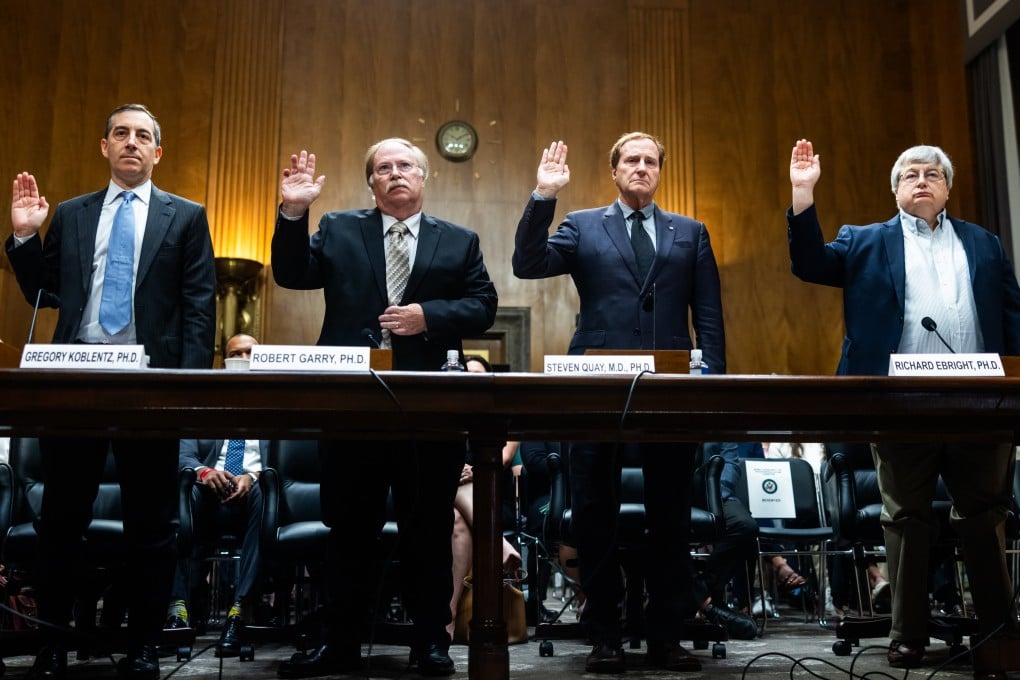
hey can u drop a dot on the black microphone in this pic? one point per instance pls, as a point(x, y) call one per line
point(370, 336)
point(931, 327)
point(35, 313)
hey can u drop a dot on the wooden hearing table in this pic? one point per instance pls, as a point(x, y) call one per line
point(491, 408)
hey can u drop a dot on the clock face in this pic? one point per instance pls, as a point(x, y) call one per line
point(457, 140)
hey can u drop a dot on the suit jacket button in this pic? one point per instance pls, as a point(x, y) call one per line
point(637, 331)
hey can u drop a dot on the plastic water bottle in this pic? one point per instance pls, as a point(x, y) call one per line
point(452, 364)
point(698, 367)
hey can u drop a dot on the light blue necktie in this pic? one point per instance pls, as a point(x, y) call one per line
point(234, 462)
point(115, 306)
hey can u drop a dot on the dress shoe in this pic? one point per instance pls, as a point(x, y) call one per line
point(141, 666)
point(434, 661)
point(738, 626)
point(230, 638)
point(326, 660)
point(50, 664)
point(906, 653)
point(605, 657)
point(175, 622)
point(670, 656)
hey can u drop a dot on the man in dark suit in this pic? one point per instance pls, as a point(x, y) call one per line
point(226, 498)
point(443, 295)
point(639, 271)
point(169, 308)
point(921, 263)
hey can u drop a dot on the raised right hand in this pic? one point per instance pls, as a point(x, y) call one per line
point(300, 187)
point(553, 171)
point(28, 208)
point(805, 169)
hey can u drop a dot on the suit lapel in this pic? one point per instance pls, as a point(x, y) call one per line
point(161, 215)
point(428, 241)
point(214, 452)
point(663, 241)
point(892, 236)
point(616, 229)
point(86, 228)
point(375, 248)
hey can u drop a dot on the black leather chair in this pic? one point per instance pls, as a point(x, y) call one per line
point(707, 524)
point(105, 552)
point(807, 534)
point(294, 538)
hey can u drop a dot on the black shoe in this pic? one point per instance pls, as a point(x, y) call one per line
point(175, 622)
point(434, 661)
point(326, 660)
point(605, 657)
point(670, 656)
point(143, 666)
point(738, 626)
point(906, 653)
point(50, 664)
point(230, 639)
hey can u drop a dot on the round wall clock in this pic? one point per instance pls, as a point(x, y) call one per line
point(456, 140)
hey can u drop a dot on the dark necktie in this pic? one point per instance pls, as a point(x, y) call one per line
point(115, 305)
point(234, 462)
point(644, 252)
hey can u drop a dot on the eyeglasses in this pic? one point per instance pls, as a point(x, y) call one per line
point(386, 169)
point(912, 177)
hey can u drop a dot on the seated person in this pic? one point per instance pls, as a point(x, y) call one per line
point(463, 515)
point(227, 496)
point(534, 457)
point(731, 552)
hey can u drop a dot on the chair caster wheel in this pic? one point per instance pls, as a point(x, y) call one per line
point(718, 651)
point(701, 644)
point(246, 653)
point(545, 648)
point(841, 648)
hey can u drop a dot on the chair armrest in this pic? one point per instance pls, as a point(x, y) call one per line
point(186, 481)
point(269, 484)
point(557, 499)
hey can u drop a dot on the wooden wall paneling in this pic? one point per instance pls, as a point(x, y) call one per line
point(503, 170)
point(243, 177)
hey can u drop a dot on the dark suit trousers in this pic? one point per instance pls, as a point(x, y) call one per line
point(595, 505)
point(147, 471)
point(356, 476)
point(212, 519)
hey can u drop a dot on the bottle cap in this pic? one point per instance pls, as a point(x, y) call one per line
point(696, 355)
point(453, 356)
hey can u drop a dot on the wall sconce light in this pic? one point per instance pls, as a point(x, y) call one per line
point(236, 297)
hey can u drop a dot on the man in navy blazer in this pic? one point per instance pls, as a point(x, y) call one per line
point(641, 274)
point(448, 296)
point(221, 501)
point(922, 264)
point(172, 313)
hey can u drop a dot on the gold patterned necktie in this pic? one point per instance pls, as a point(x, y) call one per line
point(398, 269)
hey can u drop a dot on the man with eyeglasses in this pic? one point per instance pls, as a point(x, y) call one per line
point(416, 284)
point(921, 263)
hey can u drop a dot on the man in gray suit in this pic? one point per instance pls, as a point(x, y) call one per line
point(639, 271)
point(167, 304)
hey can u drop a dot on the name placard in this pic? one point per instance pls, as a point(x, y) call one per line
point(85, 357)
point(769, 489)
point(310, 358)
point(598, 364)
point(942, 365)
